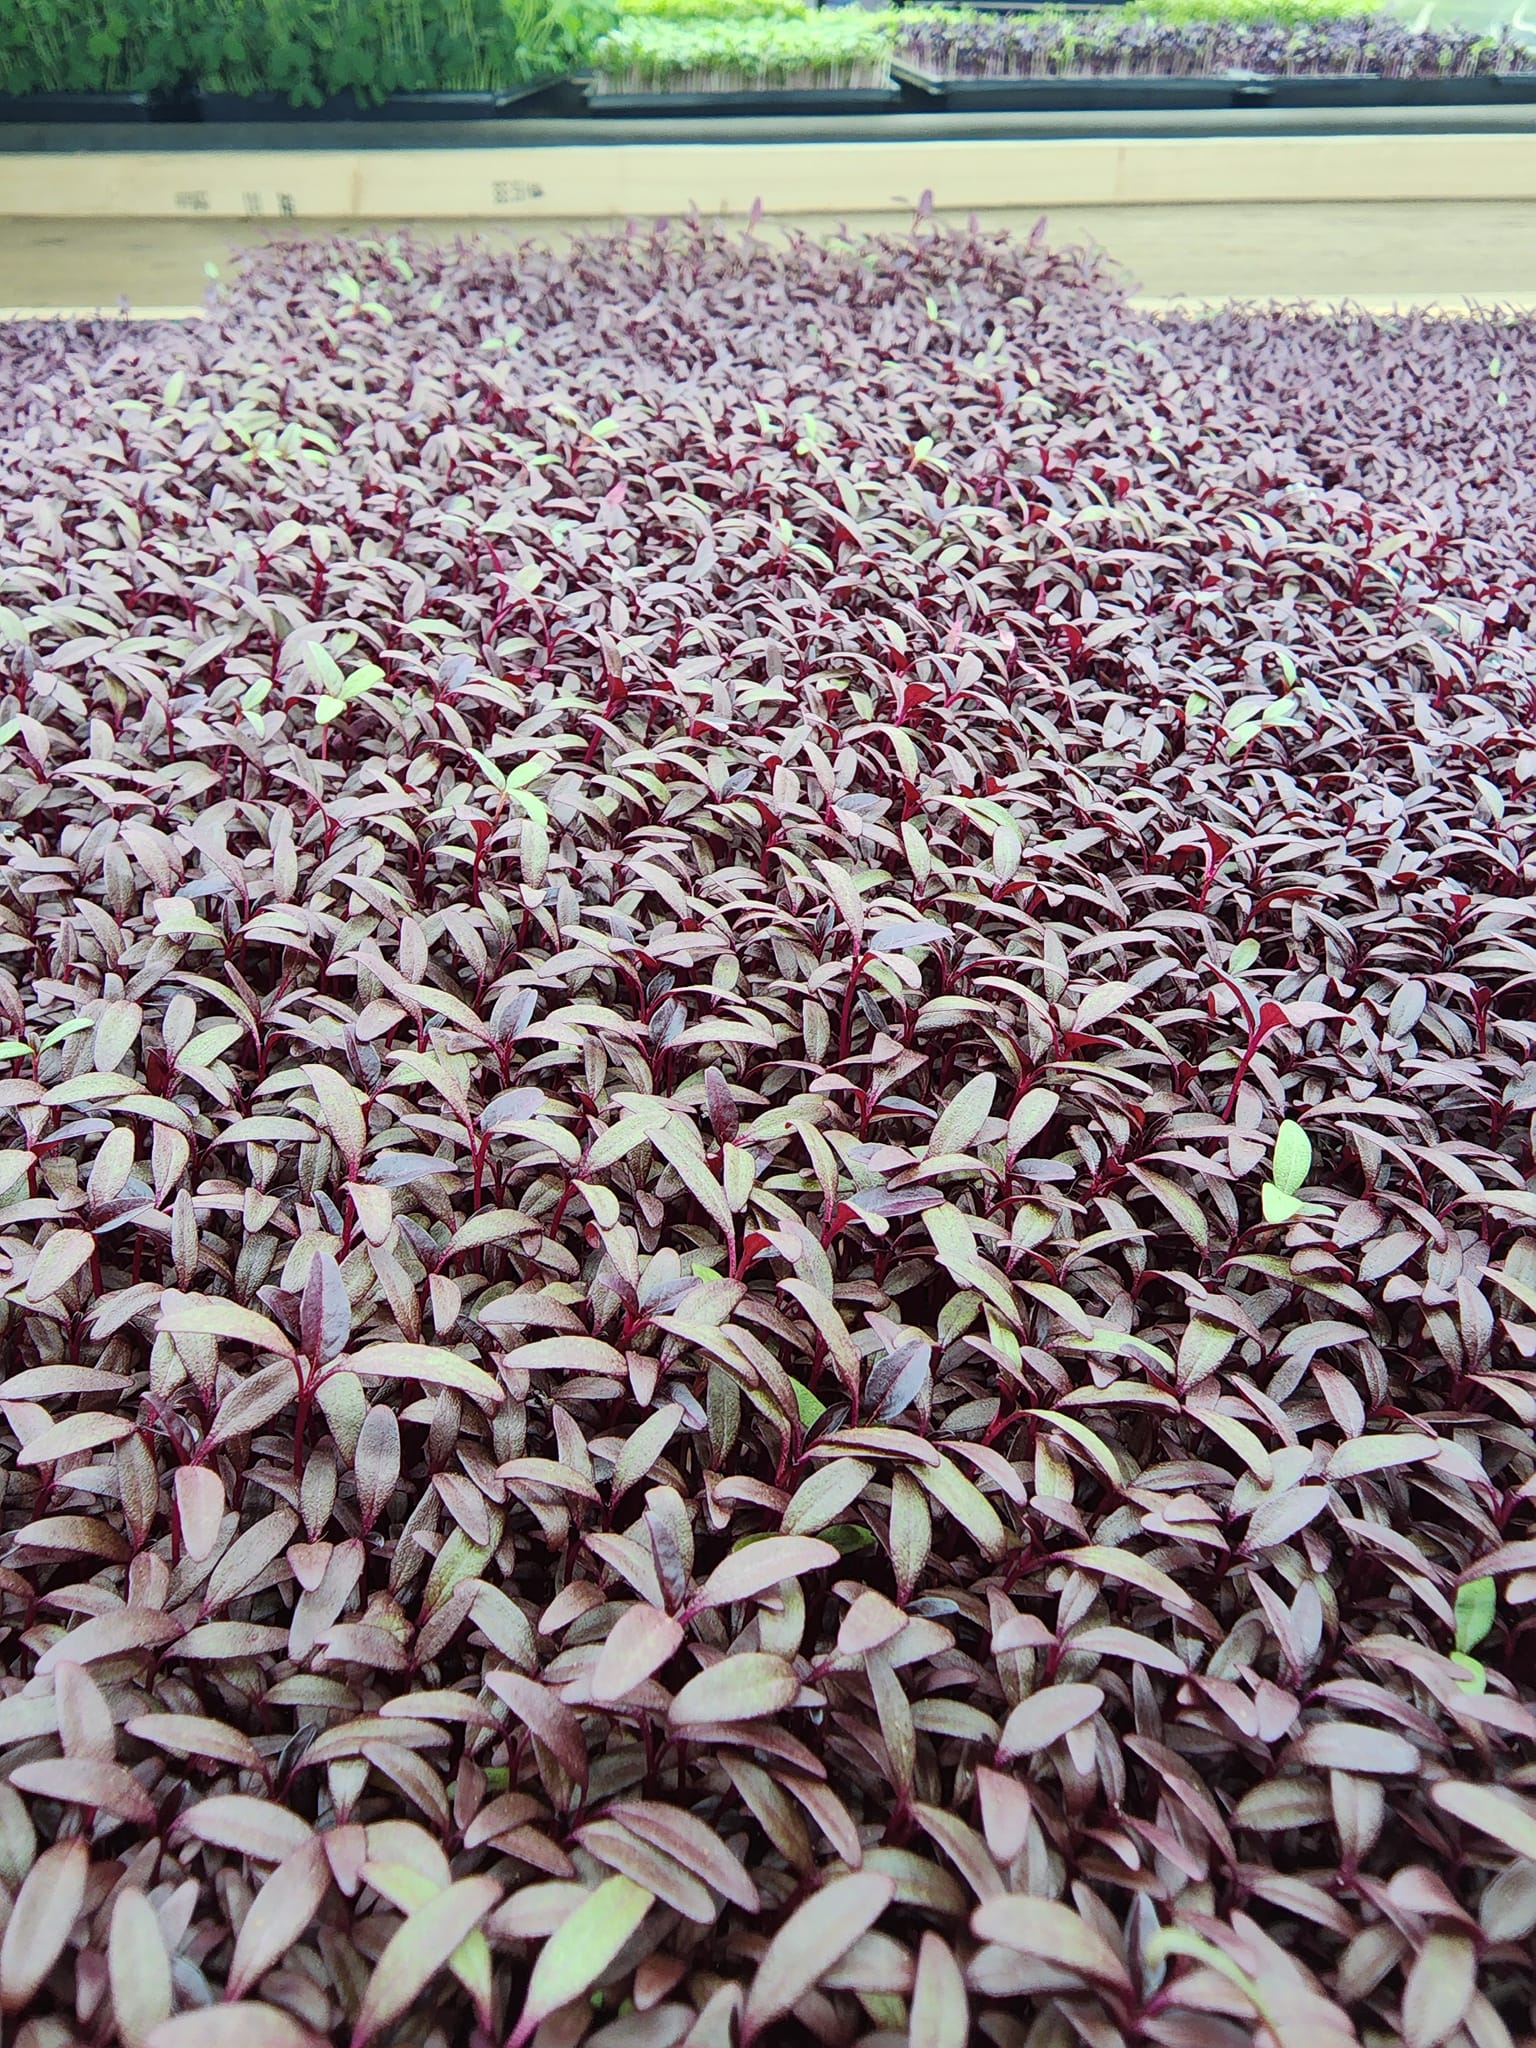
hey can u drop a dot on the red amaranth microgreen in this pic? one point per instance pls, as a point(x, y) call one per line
point(767, 1059)
point(1170, 42)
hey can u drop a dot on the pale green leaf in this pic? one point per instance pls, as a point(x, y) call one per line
point(1476, 1607)
point(1293, 1157)
point(580, 1950)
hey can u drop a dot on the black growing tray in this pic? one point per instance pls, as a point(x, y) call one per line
point(83, 107)
point(1074, 95)
point(1233, 89)
point(671, 106)
point(1510, 88)
point(551, 97)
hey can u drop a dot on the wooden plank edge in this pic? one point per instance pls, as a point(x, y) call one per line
point(726, 179)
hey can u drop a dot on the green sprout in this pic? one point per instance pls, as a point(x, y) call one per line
point(1476, 1606)
point(337, 689)
point(1251, 716)
point(1288, 1171)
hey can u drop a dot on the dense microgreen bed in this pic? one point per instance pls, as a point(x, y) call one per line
point(311, 52)
point(307, 50)
point(735, 45)
point(841, 49)
point(692, 11)
point(767, 1245)
point(373, 48)
point(1184, 42)
point(103, 46)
